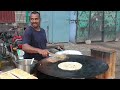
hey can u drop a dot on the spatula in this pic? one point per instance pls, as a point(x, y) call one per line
point(58, 57)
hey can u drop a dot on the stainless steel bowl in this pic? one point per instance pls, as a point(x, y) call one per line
point(26, 65)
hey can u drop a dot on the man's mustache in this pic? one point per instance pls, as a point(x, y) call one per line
point(34, 23)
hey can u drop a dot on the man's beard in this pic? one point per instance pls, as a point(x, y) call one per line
point(35, 25)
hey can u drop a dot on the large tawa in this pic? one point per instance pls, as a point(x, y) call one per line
point(90, 67)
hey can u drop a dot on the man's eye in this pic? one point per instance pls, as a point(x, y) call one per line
point(36, 19)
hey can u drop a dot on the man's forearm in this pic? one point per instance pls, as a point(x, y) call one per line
point(29, 49)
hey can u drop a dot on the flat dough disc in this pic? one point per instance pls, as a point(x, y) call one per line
point(70, 66)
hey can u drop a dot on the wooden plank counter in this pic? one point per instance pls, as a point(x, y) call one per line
point(16, 74)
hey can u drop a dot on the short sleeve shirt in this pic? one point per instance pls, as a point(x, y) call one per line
point(36, 39)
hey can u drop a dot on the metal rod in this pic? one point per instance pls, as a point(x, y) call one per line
point(76, 26)
point(115, 25)
point(89, 25)
point(103, 26)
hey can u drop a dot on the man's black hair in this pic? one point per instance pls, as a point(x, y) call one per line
point(35, 12)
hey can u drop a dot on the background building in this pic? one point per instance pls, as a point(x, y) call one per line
point(69, 26)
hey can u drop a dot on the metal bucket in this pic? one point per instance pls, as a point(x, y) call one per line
point(26, 65)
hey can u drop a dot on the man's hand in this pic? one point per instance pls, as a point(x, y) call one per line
point(44, 52)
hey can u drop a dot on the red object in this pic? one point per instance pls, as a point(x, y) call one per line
point(11, 47)
point(7, 16)
point(20, 46)
point(16, 38)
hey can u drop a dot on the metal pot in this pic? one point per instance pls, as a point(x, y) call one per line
point(26, 65)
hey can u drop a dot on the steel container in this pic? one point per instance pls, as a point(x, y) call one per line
point(26, 65)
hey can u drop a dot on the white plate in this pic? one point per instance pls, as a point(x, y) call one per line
point(72, 52)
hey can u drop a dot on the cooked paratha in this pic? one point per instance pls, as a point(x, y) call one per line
point(70, 66)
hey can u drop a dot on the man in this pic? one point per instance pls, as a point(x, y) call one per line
point(34, 39)
point(35, 42)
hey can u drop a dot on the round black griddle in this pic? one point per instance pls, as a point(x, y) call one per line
point(91, 67)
